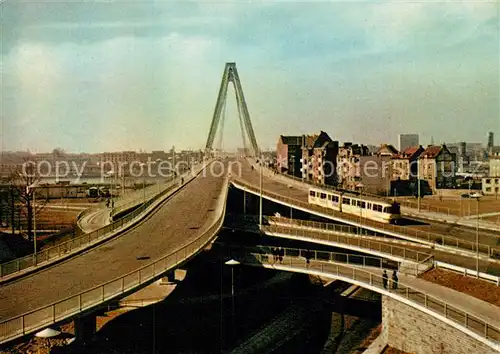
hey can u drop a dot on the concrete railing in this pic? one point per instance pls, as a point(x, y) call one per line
point(422, 261)
point(342, 236)
point(469, 272)
point(412, 234)
point(461, 319)
point(65, 308)
point(79, 243)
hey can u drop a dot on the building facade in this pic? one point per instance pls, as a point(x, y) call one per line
point(404, 166)
point(437, 166)
point(494, 165)
point(491, 185)
point(319, 159)
point(349, 165)
point(289, 154)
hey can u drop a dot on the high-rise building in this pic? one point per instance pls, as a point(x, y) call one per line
point(490, 141)
point(407, 140)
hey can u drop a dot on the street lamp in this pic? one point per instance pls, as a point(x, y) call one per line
point(290, 199)
point(260, 193)
point(143, 184)
point(29, 189)
point(477, 197)
point(232, 263)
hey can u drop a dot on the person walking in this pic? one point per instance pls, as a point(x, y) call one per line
point(385, 279)
point(281, 253)
point(394, 280)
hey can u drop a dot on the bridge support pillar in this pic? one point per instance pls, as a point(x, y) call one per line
point(85, 326)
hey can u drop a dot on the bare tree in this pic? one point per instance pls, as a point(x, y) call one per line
point(23, 181)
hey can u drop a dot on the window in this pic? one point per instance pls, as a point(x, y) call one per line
point(488, 189)
point(369, 206)
point(312, 193)
point(336, 198)
point(346, 201)
point(496, 180)
point(323, 196)
point(488, 181)
point(386, 210)
point(329, 197)
point(377, 207)
point(363, 205)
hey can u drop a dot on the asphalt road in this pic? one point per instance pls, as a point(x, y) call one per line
point(490, 238)
point(177, 222)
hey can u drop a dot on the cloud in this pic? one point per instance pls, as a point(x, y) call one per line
point(129, 76)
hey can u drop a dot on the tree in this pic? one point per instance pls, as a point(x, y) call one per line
point(23, 182)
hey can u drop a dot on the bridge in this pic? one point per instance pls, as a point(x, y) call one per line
point(176, 223)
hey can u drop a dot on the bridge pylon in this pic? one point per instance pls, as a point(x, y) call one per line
point(231, 76)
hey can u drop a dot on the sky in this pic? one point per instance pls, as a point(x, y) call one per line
point(93, 76)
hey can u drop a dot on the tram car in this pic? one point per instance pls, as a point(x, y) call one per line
point(359, 205)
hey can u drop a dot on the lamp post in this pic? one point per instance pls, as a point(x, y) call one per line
point(143, 183)
point(418, 185)
point(232, 263)
point(31, 189)
point(477, 197)
point(260, 193)
point(290, 199)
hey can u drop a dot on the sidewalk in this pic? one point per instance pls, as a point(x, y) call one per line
point(451, 219)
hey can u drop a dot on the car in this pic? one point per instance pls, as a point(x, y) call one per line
point(466, 195)
point(476, 195)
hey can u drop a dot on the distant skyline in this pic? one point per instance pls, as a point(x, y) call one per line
point(113, 76)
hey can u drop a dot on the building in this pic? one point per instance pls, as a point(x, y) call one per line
point(437, 166)
point(407, 140)
point(491, 141)
point(404, 166)
point(348, 165)
point(491, 185)
point(289, 154)
point(494, 164)
point(386, 150)
point(319, 159)
point(373, 175)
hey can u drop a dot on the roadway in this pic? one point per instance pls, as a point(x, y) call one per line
point(489, 238)
point(177, 222)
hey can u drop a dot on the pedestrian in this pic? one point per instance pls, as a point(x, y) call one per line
point(394, 280)
point(274, 253)
point(308, 257)
point(385, 279)
point(112, 204)
point(107, 203)
point(281, 253)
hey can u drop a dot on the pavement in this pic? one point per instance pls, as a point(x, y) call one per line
point(95, 220)
point(177, 222)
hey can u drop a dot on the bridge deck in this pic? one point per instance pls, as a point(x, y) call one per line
point(177, 222)
point(272, 185)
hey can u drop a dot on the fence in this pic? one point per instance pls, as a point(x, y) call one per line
point(417, 297)
point(77, 243)
point(60, 310)
point(395, 230)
